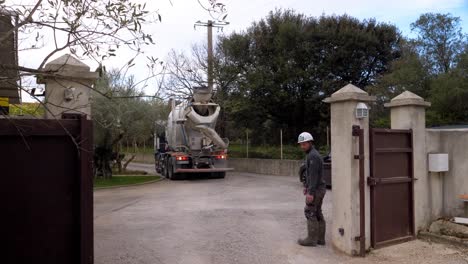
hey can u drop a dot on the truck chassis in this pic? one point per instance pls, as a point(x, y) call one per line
point(178, 165)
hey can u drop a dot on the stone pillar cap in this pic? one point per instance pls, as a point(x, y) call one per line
point(349, 93)
point(66, 61)
point(407, 98)
point(69, 66)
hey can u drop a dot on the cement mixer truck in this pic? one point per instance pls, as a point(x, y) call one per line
point(191, 143)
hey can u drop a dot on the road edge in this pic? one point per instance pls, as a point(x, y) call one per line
point(128, 185)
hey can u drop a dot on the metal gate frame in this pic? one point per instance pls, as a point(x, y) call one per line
point(78, 130)
point(373, 181)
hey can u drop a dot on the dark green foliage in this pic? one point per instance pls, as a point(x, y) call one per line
point(406, 73)
point(273, 76)
point(434, 66)
point(449, 96)
point(287, 63)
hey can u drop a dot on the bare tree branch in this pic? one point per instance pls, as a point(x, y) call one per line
point(27, 20)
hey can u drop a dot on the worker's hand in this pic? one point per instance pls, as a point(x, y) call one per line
point(309, 198)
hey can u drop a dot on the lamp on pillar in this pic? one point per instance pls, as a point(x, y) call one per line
point(348, 109)
point(68, 82)
point(362, 111)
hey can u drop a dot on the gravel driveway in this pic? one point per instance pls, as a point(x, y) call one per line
point(245, 218)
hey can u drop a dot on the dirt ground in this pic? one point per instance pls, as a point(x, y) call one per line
point(245, 218)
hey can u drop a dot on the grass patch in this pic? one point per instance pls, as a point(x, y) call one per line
point(122, 180)
point(129, 172)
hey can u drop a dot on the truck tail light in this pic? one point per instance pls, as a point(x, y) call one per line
point(221, 157)
point(182, 158)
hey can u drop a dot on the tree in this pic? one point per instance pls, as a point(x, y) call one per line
point(440, 40)
point(126, 116)
point(449, 94)
point(185, 72)
point(91, 29)
point(88, 29)
point(85, 28)
point(432, 66)
point(287, 63)
point(406, 73)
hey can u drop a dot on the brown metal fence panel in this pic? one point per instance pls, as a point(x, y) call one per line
point(391, 184)
point(46, 191)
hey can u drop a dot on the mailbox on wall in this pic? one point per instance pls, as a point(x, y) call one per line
point(438, 162)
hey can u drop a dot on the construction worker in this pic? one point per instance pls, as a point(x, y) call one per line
point(314, 192)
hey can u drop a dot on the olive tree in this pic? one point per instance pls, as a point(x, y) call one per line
point(129, 115)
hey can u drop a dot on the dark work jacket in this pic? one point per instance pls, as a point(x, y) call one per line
point(314, 176)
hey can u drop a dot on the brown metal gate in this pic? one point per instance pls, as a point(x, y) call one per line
point(46, 191)
point(391, 186)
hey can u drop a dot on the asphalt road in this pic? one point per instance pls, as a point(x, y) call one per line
point(245, 218)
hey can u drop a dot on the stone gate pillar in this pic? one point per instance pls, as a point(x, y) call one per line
point(408, 111)
point(345, 168)
point(67, 87)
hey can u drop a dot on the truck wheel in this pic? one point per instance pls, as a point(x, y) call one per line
point(170, 171)
point(166, 169)
point(157, 167)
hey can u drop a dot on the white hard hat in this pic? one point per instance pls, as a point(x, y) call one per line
point(304, 137)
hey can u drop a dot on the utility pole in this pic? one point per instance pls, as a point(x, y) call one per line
point(247, 141)
point(210, 24)
point(281, 142)
point(210, 55)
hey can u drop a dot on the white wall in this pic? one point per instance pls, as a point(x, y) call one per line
point(444, 188)
point(55, 100)
point(267, 166)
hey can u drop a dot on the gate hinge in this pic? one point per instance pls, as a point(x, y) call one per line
point(372, 181)
point(356, 130)
point(358, 157)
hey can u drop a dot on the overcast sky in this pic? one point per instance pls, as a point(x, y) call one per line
point(178, 16)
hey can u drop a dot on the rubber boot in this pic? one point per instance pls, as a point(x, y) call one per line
point(312, 234)
point(322, 227)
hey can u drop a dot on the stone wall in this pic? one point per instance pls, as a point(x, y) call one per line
point(273, 167)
